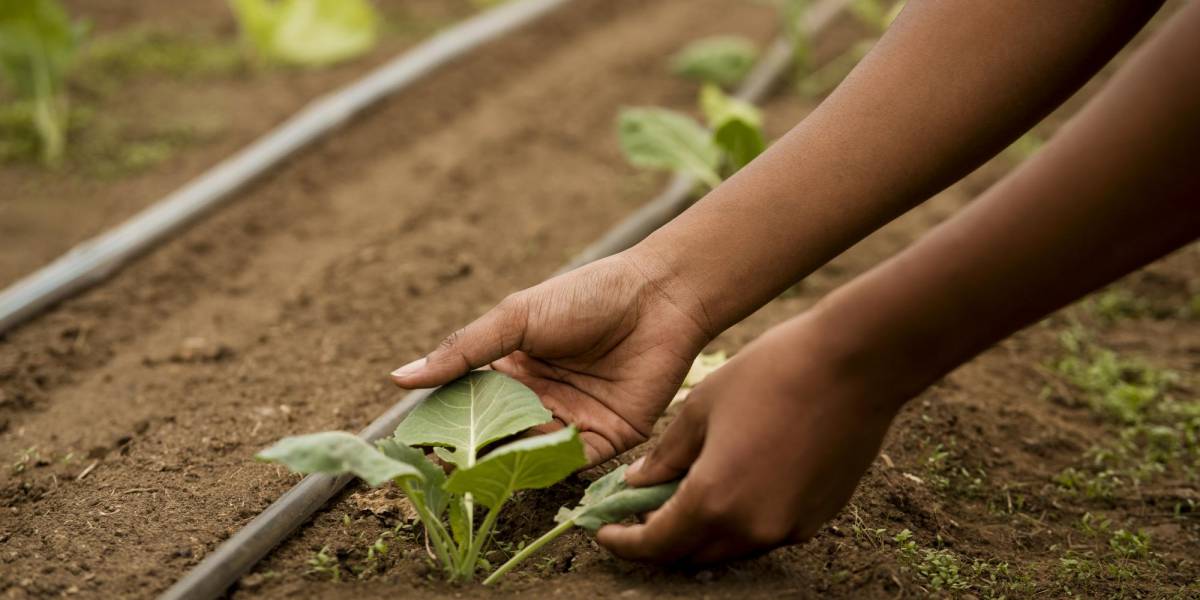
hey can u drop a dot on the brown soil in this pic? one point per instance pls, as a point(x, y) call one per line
point(129, 415)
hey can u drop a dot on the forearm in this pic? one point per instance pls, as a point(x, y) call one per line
point(1118, 187)
point(949, 85)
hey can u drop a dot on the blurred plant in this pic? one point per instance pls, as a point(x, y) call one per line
point(307, 33)
point(38, 42)
point(723, 59)
point(662, 139)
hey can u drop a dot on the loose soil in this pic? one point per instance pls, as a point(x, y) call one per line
point(129, 415)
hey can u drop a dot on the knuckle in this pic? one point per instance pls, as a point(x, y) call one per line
point(451, 341)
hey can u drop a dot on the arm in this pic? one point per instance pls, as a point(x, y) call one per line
point(606, 346)
point(948, 86)
point(1114, 190)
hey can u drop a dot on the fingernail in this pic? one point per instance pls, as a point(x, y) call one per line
point(635, 467)
point(409, 369)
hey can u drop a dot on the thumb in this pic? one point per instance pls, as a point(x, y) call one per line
point(495, 335)
point(676, 450)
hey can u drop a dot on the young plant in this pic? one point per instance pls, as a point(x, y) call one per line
point(662, 139)
point(458, 421)
point(724, 60)
point(608, 500)
point(37, 44)
point(309, 33)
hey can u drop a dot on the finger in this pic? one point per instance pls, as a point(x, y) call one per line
point(676, 450)
point(672, 533)
point(724, 549)
point(496, 334)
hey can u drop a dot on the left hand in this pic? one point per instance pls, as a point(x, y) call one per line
point(770, 447)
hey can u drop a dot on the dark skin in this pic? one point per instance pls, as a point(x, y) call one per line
point(948, 86)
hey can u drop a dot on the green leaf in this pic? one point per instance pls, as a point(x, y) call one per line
point(736, 126)
point(657, 138)
point(723, 60)
point(335, 453)
point(460, 527)
point(531, 463)
point(703, 366)
point(433, 476)
point(470, 413)
point(307, 32)
point(610, 500)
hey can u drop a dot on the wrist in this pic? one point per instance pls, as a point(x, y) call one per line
point(866, 347)
point(665, 292)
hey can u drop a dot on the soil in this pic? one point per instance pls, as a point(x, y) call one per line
point(129, 415)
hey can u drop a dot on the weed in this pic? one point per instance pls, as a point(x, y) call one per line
point(945, 571)
point(1128, 544)
point(1116, 387)
point(325, 564)
point(1115, 304)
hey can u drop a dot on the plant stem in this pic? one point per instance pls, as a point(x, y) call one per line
point(529, 550)
point(481, 536)
point(442, 543)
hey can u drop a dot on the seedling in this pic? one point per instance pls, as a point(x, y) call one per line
point(662, 139)
point(307, 32)
point(459, 421)
point(37, 45)
point(723, 60)
point(607, 500)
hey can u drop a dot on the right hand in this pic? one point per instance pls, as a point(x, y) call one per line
point(605, 347)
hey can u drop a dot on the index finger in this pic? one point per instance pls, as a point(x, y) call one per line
point(671, 533)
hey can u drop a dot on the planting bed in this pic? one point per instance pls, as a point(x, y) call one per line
point(128, 416)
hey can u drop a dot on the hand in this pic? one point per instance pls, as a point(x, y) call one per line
point(604, 346)
point(770, 446)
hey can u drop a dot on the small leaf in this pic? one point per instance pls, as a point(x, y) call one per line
point(723, 60)
point(610, 500)
point(703, 366)
point(470, 413)
point(736, 125)
point(531, 463)
point(307, 32)
point(436, 498)
point(335, 453)
point(656, 138)
point(460, 527)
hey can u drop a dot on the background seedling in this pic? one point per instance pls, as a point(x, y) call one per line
point(307, 32)
point(724, 60)
point(662, 139)
point(38, 42)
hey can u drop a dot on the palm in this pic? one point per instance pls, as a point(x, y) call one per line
point(614, 399)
